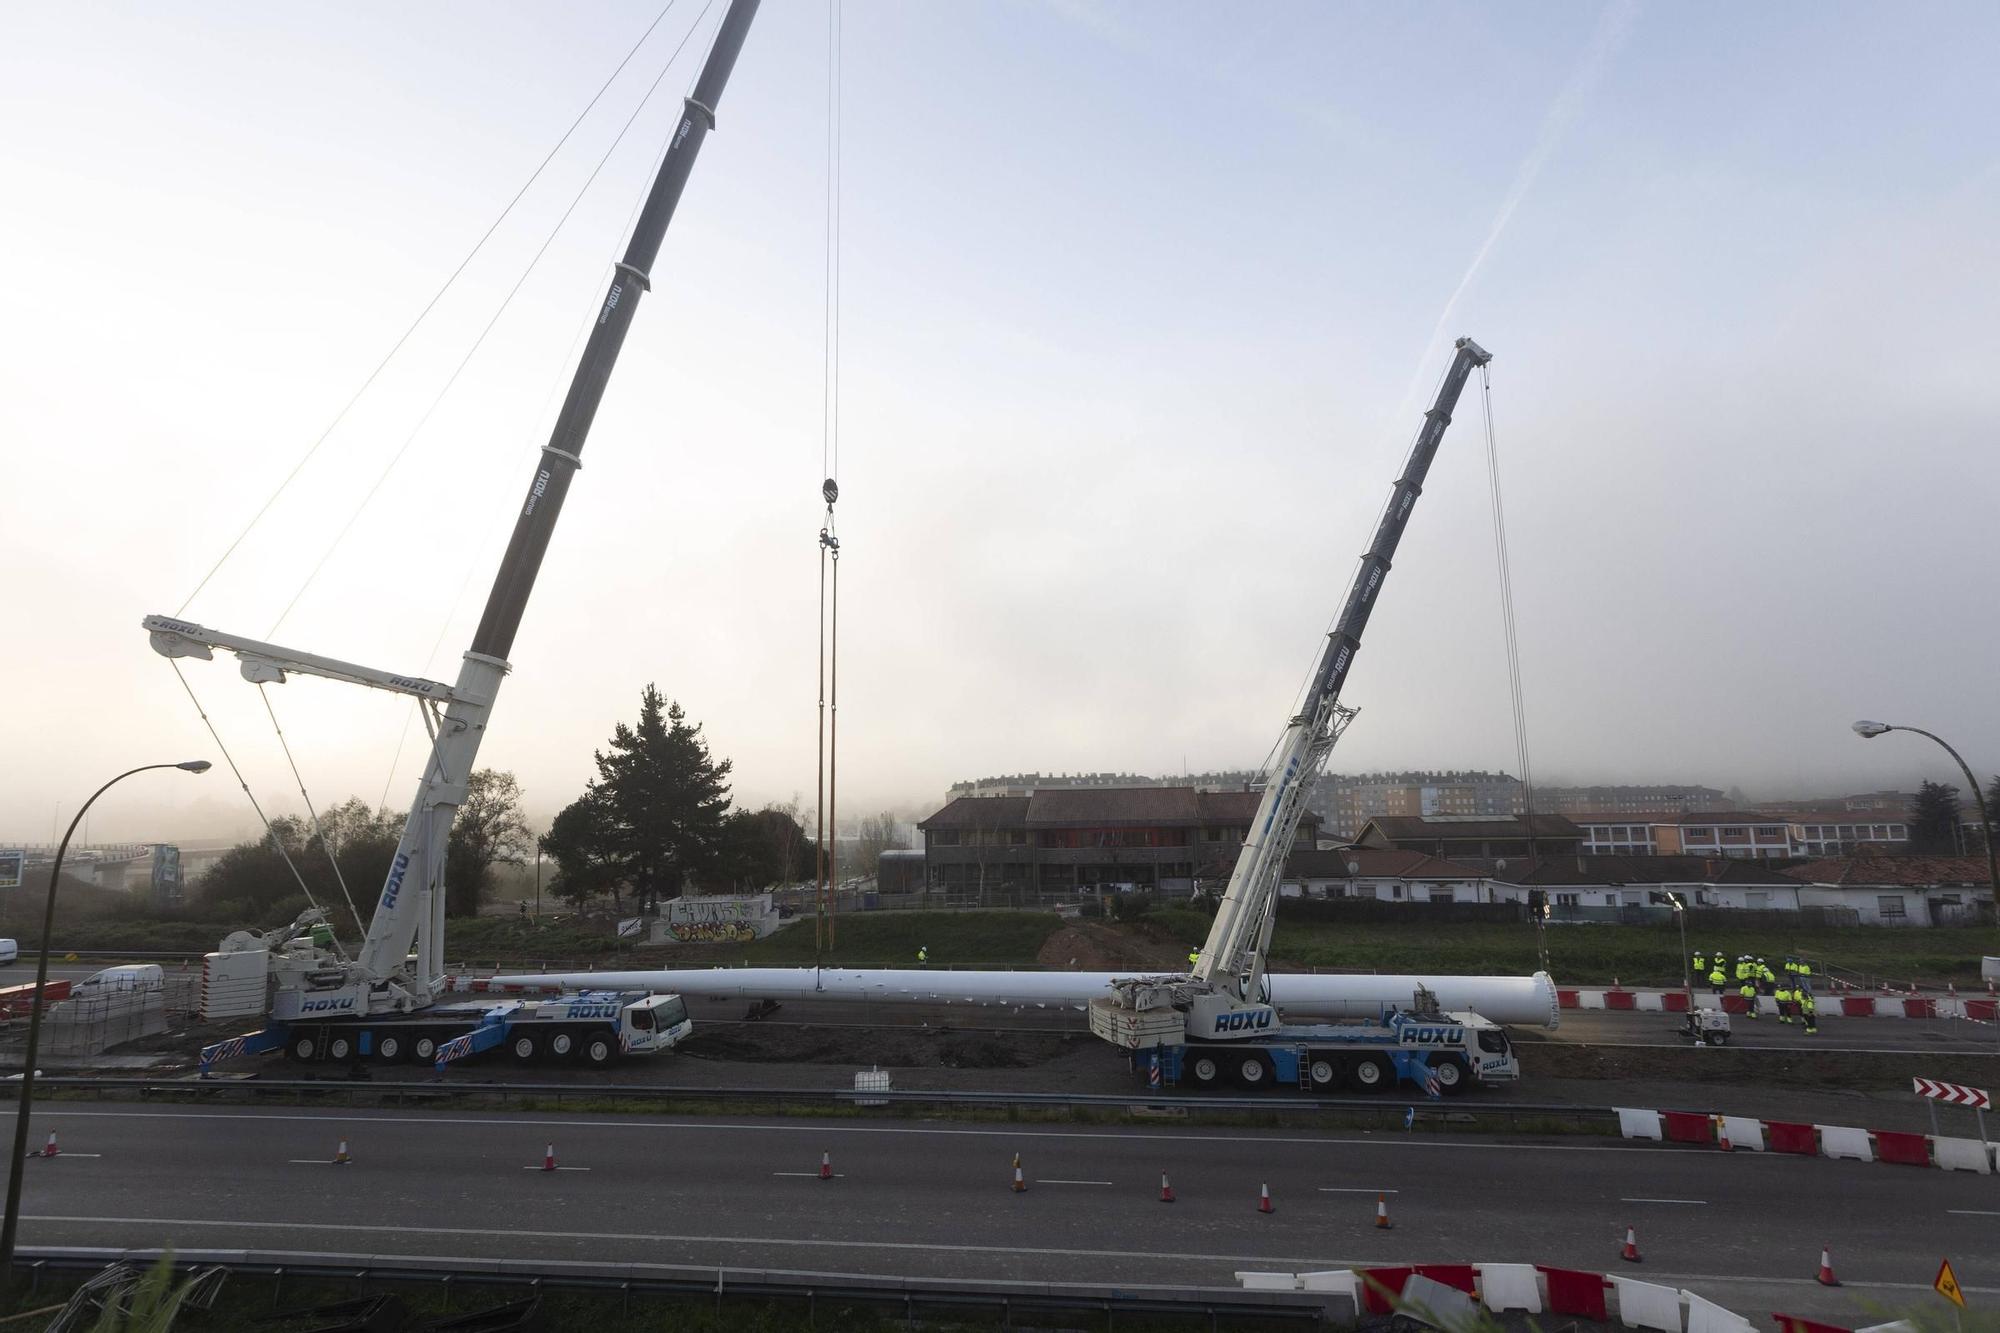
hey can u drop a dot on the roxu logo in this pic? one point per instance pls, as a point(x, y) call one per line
point(1433, 1036)
point(1243, 1020)
point(322, 1006)
point(395, 884)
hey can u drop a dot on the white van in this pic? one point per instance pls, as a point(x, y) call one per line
point(115, 980)
point(10, 951)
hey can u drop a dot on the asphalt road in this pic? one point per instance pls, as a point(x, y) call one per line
point(1596, 1027)
point(935, 1200)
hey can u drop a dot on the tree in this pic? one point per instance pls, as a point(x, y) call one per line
point(488, 831)
point(258, 882)
point(878, 835)
point(652, 819)
point(761, 848)
point(1934, 821)
point(580, 841)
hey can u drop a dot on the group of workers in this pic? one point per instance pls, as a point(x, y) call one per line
point(1791, 988)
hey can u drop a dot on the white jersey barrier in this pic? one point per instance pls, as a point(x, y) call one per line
point(1736, 1133)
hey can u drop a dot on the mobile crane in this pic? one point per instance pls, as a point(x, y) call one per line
point(1217, 1020)
point(383, 1003)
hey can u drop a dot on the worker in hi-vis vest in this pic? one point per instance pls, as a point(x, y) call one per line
point(923, 956)
point(1716, 979)
point(1809, 1011)
point(1749, 992)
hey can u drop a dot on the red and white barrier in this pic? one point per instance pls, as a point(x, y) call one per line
point(1737, 1133)
point(1838, 1002)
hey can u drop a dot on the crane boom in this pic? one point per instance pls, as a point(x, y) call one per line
point(411, 908)
point(1234, 955)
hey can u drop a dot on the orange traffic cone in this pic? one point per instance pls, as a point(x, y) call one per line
point(549, 1158)
point(340, 1157)
point(1630, 1254)
point(1826, 1277)
point(1020, 1181)
point(49, 1149)
point(1166, 1190)
point(1264, 1199)
point(826, 1166)
point(1382, 1222)
point(1722, 1135)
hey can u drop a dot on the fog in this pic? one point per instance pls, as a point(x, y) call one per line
point(1139, 307)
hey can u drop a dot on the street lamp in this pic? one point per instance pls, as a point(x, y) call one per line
point(35, 1003)
point(1870, 730)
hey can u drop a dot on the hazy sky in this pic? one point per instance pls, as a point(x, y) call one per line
point(1140, 304)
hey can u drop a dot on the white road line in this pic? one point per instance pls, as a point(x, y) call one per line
point(44, 1157)
point(814, 1127)
point(1970, 1212)
point(1352, 1189)
point(504, 1234)
point(555, 1168)
point(810, 1175)
point(1040, 1181)
point(1703, 1202)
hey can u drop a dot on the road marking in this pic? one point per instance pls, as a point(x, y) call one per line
point(1352, 1189)
point(1040, 1181)
point(502, 1233)
point(44, 1157)
point(1699, 1201)
point(1969, 1212)
point(810, 1175)
point(555, 1168)
point(820, 1127)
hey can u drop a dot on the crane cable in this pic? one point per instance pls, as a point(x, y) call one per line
point(827, 851)
point(277, 844)
point(1516, 698)
point(506, 301)
point(422, 315)
point(311, 814)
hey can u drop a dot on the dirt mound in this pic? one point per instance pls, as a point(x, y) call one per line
point(1091, 946)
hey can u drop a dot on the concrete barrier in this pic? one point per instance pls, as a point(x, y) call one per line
point(1647, 1304)
point(1638, 1124)
point(1963, 1155)
point(1842, 1142)
point(1652, 1002)
point(1746, 1133)
point(1590, 999)
point(1705, 1316)
point(1506, 1287)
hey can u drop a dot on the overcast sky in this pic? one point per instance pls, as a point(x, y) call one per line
point(1140, 305)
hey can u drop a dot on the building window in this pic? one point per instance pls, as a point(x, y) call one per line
point(1707, 833)
point(1890, 907)
point(1567, 899)
point(1735, 832)
point(1757, 898)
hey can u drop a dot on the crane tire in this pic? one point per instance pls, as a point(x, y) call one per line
point(423, 1048)
point(339, 1046)
point(1323, 1072)
point(525, 1047)
point(1372, 1073)
point(597, 1049)
point(1454, 1076)
point(1253, 1071)
point(1204, 1070)
point(391, 1048)
point(303, 1046)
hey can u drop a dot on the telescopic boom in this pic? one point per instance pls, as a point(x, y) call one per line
point(1233, 957)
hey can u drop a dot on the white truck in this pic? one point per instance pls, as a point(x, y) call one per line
point(1217, 1021)
point(325, 1004)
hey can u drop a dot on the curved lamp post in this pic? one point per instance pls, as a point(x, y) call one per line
point(1870, 730)
point(35, 1005)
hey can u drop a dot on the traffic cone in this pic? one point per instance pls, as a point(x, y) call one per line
point(1382, 1222)
point(49, 1149)
point(340, 1157)
point(1722, 1135)
point(549, 1158)
point(1166, 1190)
point(826, 1166)
point(1630, 1254)
point(1264, 1199)
point(1826, 1277)
point(1020, 1181)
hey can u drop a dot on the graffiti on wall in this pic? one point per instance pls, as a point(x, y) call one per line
point(711, 932)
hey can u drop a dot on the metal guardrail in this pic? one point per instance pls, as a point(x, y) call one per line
point(1274, 1101)
point(910, 1295)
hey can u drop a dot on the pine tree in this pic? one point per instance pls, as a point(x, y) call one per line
point(652, 821)
point(1934, 822)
